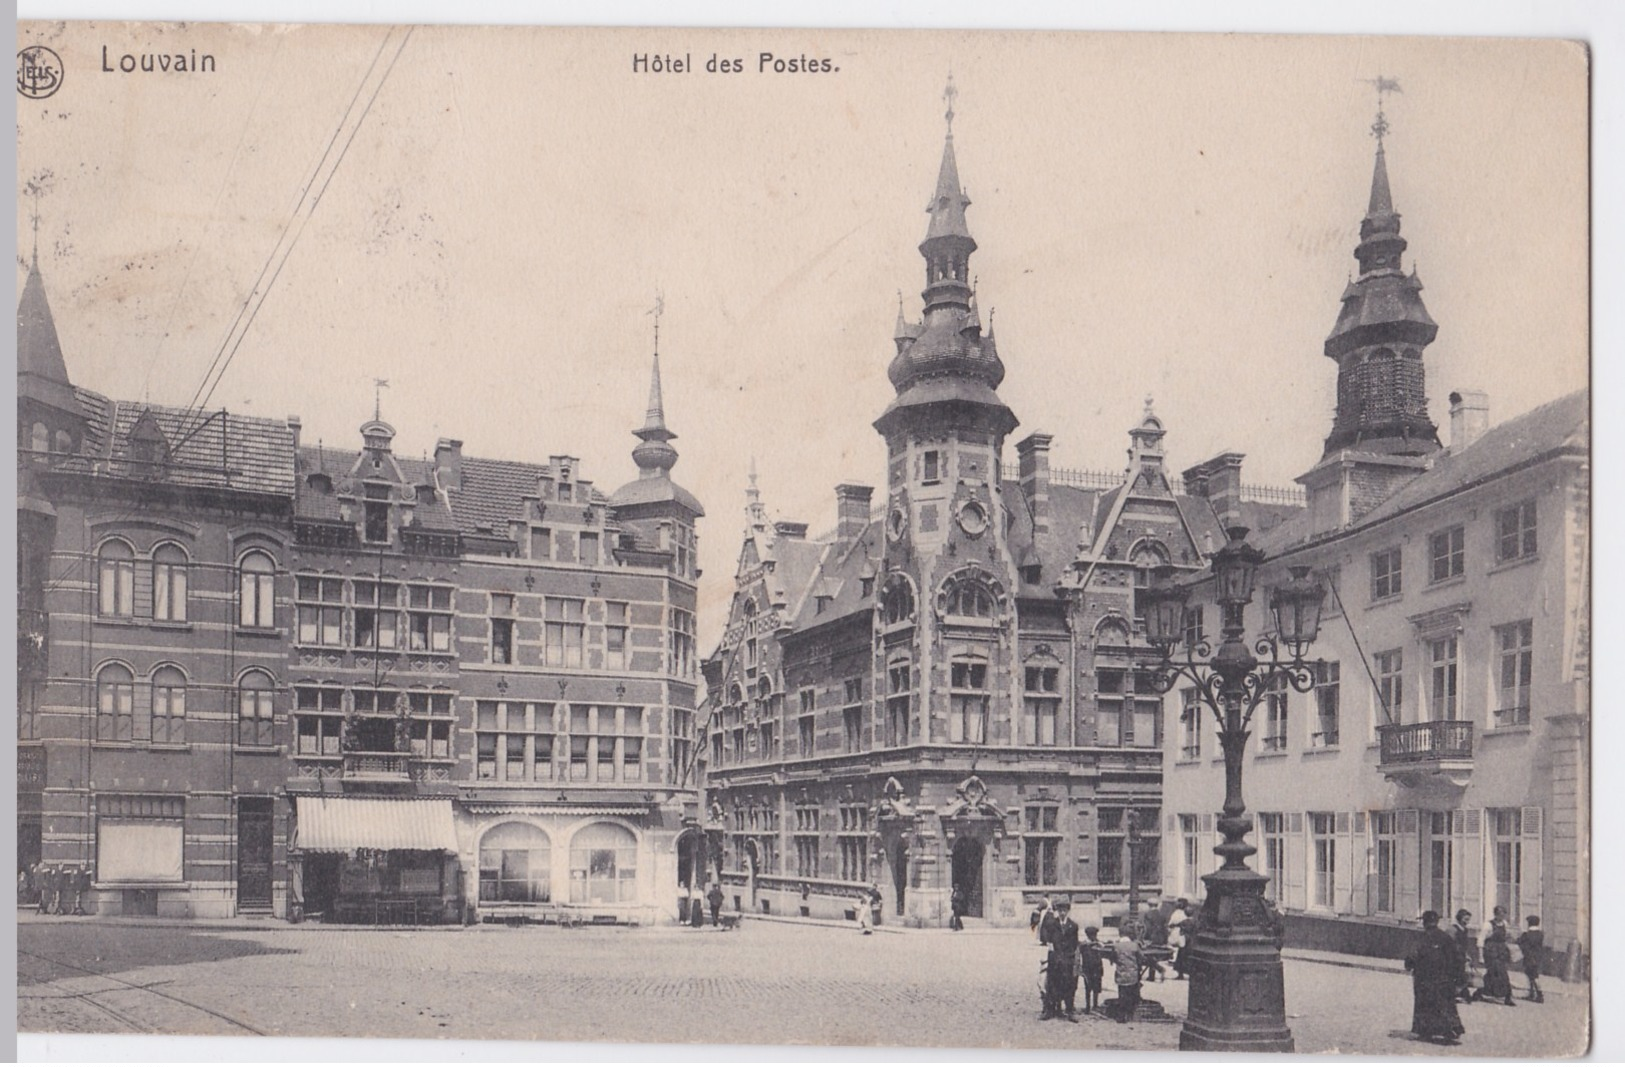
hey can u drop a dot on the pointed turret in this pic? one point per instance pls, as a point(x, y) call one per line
point(1379, 336)
point(655, 456)
point(42, 373)
point(946, 360)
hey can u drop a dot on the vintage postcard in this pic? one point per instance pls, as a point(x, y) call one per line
point(957, 540)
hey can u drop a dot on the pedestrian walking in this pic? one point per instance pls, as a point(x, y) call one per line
point(1532, 946)
point(1092, 966)
point(1130, 958)
point(860, 912)
point(1467, 947)
point(1436, 966)
point(957, 905)
point(1498, 961)
point(1155, 929)
point(1061, 968)
point(1178, 937)
point(714, 898)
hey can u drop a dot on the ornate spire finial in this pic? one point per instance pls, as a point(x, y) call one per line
point(378, 387)
point(949, 94)
point(1379, 128)
point(658, 309)
point(34, 264)
point(1148, 412)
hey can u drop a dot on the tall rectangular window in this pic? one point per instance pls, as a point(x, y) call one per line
point(852, 715)
point(1190, 723)
point(1443, 828)
point(1146, 705)
point(899, 703)
point(1109, 685)
point(1327, 700)
point(682, 642)
point(319, 607)
point(1110, 836)
point(566, 631)
point(541, 543)
point(1323, 835)
point(1385, 574)
point(968, 700)
point(1515, 656)
point(1041, 844)
point(1515, 533)
point(589, 549)
point(256, 591)
point(1276, 708)
point(931, 467)
point(853, 842)
point(1385, 832)
point(116, 580)
point(1190, 855)
point(169, 567)
point(1041, 706)
point(1194, 618)
point(1443, 700)
point(1506, 844)
point(1389, 668)
point(615, 631)
point(319, 720)
point(1272, 842)
point(1447, 554)
point(502, 627)
point(376, 525)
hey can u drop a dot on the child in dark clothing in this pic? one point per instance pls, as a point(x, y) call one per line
point(1532, 943)
point(1092, 967)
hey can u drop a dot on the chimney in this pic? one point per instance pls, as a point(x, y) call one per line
point(448, 462)
point(851, 511)
point(1224, 487)
point(1033, 469)
point(1195, 480)
point(1469, 417)
point(790, 531)
point(294, 426)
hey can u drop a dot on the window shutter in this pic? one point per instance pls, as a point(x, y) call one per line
point(1296, 862)
point(1172, 822)
point(1343, 860)
point(1408, 891)
point(1529, 886)
point(1208, 861)
point(1361, 866)
point(1470, 862)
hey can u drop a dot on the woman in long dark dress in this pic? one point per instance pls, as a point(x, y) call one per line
point(1498, 961)
point(1436, 966)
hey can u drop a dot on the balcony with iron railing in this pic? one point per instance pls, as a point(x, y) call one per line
point(378, 766)
point(1418, 753)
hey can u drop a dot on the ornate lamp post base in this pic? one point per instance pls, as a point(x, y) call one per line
point(1237, 998)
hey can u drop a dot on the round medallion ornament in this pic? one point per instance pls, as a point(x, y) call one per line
point(973, 518)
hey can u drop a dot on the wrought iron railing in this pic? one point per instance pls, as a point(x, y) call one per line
point(1417, 742)
point(379, 766)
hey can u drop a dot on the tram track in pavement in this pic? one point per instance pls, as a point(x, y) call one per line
point(88, 997)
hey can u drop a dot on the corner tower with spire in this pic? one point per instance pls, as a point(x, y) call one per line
point(653, 507)
point(1380, 334)
point(1381, 435)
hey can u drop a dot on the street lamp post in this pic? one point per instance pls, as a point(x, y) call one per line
point(1237, 997)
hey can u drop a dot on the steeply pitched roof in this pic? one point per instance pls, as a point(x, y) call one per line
point(205, 448)
point(41, 371)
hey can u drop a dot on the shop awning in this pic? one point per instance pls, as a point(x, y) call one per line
point(344, 824)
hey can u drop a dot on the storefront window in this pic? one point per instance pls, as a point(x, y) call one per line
point(515, 865)
point(603, 865)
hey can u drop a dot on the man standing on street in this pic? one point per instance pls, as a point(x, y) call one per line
point(714, 898)
point(1129, 960)
point(1061, 987)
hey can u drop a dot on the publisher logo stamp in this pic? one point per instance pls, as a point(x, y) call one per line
point(39, 72)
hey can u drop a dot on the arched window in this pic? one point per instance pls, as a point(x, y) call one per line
point(115, 703)
point(64, 441)
point(603, 865)
point(897, 602)
point(970, 598)
point(169, 564)
point(116, 583)
point(256, 591)
point(516, 864)
point(1147, 557)
point(168, 706)
point(41, 441)
point(254, 709)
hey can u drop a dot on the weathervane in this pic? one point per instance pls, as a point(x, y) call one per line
point(657, 311)
point(949, 94)
point(378, 387)
point(1379, 128)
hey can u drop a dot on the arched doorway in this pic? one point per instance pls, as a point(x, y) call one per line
point(516, 865)
point(967, 873)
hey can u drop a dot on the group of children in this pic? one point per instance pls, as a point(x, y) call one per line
point(1496, 986)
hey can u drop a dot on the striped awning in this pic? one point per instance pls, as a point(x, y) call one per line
point(344, 824)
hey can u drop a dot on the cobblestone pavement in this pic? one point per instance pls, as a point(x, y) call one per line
point(767, 983)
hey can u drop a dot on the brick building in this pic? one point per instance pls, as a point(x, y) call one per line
point(261, 675)
point(940, 697)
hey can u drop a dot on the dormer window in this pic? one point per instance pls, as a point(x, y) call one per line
point(377, 521)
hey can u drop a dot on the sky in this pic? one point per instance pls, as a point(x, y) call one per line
point(1157, 214)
